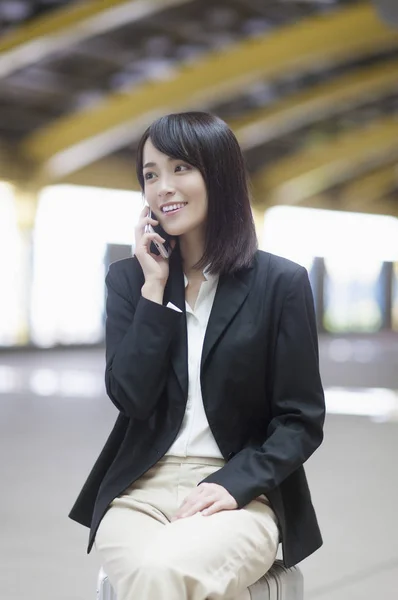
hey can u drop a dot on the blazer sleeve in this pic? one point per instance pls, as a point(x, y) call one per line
point(137, 343)
point(297, 404)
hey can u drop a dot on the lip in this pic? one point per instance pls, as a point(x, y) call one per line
point(169, 214)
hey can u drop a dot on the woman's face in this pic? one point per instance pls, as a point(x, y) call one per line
point(175, 191)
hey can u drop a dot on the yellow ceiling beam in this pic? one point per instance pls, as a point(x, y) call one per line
point(90, 134)
point(67, 26)
point(317, 103)
point(314, 170)
point(384, 205)
point(369, 193)
point(264, 124)
point(13, 168)
point(110, 172)
point(366, 192)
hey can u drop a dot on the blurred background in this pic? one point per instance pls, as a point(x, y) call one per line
point(310, 88)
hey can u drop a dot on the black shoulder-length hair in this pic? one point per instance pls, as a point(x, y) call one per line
point(207, 143)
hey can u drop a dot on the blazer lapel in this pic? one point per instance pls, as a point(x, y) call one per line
point(175, 293)
point(231, 292)
point(230, 295)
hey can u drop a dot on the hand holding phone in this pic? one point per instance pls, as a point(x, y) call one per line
point(156, 247)
point(155, 265)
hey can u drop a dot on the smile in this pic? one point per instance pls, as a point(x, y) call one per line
point(173, 208)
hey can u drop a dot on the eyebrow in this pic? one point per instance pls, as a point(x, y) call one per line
point(153, 164)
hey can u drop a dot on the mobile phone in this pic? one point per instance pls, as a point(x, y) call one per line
point(157, 247)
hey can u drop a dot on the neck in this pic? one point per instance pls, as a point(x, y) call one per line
point(191, 248)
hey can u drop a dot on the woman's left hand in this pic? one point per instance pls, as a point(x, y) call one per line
point(207, 498)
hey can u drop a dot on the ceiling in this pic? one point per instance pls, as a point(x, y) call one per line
point(309, 87)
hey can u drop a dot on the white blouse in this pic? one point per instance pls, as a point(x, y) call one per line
point(195, 437)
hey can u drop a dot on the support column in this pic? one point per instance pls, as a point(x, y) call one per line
point(386, 282)
point(26, 203)
point(317, 279)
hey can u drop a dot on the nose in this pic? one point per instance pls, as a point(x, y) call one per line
point(166, 188)
point(166, 192)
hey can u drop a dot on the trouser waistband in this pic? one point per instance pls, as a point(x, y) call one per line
point(193, 460)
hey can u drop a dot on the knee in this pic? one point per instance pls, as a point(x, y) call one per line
point(157, 561)
point(151, 576)
point(163, 565)
point(151, 569)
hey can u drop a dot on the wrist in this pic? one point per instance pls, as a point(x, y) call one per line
point(153, 290)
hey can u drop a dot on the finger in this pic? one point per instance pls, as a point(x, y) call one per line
point(141, 224)
point(146, 226)
point(147, 238)
point(198, 506)
point(194, 499)
point(145, 210)
point(150, 220)
point(143, 214)
point(193, 495)
point(185, 507)
point(143, 246)
point(215, 508)
point(188, 513)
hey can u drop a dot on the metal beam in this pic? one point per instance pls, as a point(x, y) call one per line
point(315, 170)
point(367, 192)
point(86, 136)
point(316, 104)
point(70, 25)
point(13, 167)
point(110, 172)
point(263, 125)
point(383, 206)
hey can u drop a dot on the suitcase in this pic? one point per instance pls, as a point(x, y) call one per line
point(278, 584)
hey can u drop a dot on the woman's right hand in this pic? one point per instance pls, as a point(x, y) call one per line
point(155, 268)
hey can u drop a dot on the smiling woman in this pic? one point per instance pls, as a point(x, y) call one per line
point(176, 193)
point(212, 362)
point(195, 155)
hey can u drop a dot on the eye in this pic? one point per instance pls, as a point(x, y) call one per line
point(182, 168)
point(149, 175)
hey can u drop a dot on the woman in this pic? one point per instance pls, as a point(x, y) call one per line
point(212, 362)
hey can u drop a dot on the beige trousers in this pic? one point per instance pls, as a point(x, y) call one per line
point(217, 557)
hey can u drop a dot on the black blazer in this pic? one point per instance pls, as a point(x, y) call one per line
point(260, 384)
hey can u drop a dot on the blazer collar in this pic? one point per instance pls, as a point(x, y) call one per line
point(175, 292)
point(231, 293)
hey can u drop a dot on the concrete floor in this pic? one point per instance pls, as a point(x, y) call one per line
point(54, 418)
